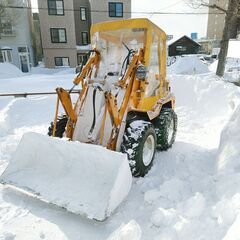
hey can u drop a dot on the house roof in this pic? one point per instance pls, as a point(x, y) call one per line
point(185, 36)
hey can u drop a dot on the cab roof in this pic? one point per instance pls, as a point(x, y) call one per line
point(126, 24)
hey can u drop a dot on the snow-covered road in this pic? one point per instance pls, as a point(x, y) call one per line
point(178, 199)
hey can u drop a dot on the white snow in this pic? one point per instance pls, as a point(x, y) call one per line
point(188, 65)
point(184, 196)
point(8, 70)
point(132, 231)
point(234, 49)
point(229, 149)
point(94, 180)
point(232, 69)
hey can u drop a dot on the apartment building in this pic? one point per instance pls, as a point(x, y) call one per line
point(15, 36)
point(65, 27)
point(216, 21)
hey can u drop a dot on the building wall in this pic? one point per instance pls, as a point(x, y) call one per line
point(50, 54)
point(216, 20)
point(21, 36)
point(37, 41)
point(80, 25)
point(100, 11)
point(55, 21)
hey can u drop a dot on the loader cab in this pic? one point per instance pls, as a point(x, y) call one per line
point(115, 41)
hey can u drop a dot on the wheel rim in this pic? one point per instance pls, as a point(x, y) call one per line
point(148, 150)
point(170, 131)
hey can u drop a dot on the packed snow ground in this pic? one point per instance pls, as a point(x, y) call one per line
point(184, 196)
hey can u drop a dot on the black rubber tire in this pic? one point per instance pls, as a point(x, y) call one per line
point(133, 141)
point(162, 126)
point(60, 127)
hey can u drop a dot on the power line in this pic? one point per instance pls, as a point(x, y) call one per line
point(169, 6)
point(106, 11)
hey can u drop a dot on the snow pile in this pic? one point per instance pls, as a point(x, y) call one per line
point(201, 94)
point(232, 69)
point(227, 208)
point(188, 65)
point(85, 179)
point(8, 70)
point(127, 231)
point(231, 63)
point(234, 49)
point(229, 149)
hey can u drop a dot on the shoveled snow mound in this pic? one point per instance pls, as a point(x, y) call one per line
point(8, 70)
point(188, 65)
point(202, 93)
point(229, 149)
point(130, 231)
point(231, 64)
point(85, 179)
point(232, 69)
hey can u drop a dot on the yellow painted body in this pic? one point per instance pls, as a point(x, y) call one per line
point(145, 96)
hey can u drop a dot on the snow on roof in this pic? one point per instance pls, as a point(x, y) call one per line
point(84, 48)
point(6, 48)
point(175, 40)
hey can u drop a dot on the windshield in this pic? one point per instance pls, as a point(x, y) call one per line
point(113, 45)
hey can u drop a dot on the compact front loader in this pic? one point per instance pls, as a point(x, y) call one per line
point(125, 110)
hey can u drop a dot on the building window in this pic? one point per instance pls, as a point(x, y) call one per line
point(115, 9)
point(83, 13)
point(61, 61)
point(7, 28)
point(58, 35)
point(23, 49)
point(85, 38)
point(7, 55)
point(55, 7)
point(82, 58)
point(181, 48)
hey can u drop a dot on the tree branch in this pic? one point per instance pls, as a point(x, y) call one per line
point(214, 6)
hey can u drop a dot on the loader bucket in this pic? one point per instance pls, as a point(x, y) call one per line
point(85, 179)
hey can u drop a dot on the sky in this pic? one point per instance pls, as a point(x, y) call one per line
point(176, 25)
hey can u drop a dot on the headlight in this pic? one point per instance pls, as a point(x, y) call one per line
point(141, 72)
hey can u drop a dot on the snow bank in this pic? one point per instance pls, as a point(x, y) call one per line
point(232, 69)
point(8, 70)
point(126, 232)
point(234, 49)
point(229, 149)
point(85, 179)
point(231, 63)
point(188, 65)
point(205, 94)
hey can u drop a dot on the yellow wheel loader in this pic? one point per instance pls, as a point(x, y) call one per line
point(124, 111)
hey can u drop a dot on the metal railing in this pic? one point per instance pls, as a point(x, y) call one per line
point(26, 94)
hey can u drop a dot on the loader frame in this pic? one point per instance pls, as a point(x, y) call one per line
point(134, 99)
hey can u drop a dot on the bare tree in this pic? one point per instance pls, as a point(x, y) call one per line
point(10, 12)
point(232, 14)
